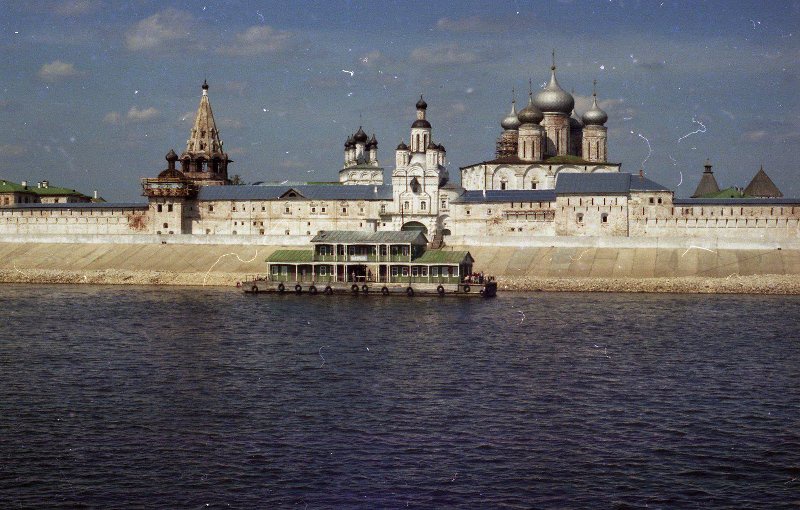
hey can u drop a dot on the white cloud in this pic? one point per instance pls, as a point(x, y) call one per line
point(371, 58)
point(188, 117)
point(112, 118)
point(57, 70)
point(12, 150)
point(261, 39)
point(475, 24)
point(167, 26)
point(443, 54)
point(74, 7)
point(137, 115)
point(755, 136)
point(613, 107)
point(230, 123)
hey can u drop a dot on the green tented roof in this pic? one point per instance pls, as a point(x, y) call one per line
point(444, 257)
point(291, 256)
point(725, 193)
point(10, 187)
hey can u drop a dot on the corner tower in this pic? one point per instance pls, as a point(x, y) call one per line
point(204, 160)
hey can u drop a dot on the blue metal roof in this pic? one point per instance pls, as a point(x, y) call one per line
point(604, 183)
point(79, 205)
point(308, 191)
point(736, 201)
point(518, 195)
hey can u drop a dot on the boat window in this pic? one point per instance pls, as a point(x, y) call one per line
point(434, 271)
point(424, 271)
point(405, 271)
point(445, 271)
point(323, 270)
point(415, 271)
point(394, 270)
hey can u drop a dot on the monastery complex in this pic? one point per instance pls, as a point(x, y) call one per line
point(549, 178)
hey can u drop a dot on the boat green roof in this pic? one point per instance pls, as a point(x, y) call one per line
point(444, 257)
point(380, 237)
point(292, 256)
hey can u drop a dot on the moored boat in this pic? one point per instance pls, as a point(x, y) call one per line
point(363, 263)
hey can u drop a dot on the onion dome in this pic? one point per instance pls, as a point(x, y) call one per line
point(421, 104)
point(595, 116)
point(441, 148)
point(432, 145)
point(360, 136)
point(511, 121)
point(402, 146)
point(349, 142)
point(205, 85)
point(530, 114)
point(373, 142)
point(171, 173)
point(554, 99)
point(171, 156)
point(421, 123)
point(575, 121)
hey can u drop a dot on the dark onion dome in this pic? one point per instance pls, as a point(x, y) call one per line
point(595, 116)
point(530, 114)
point(421, 104)
point(432, 145)
point(171, 156)
point(373, 142)
point(349, 142)
point(554, 99)
point(360, 136)
point(205, 85)
point(575, 122)
point(421, 123)
point(511, 121)
point(402, 146)
point(171, 173)
point(441, 148)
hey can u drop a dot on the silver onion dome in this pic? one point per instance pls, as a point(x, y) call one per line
point(595, 116)
point(554, 99)
point(511, 121)
point(530, 114)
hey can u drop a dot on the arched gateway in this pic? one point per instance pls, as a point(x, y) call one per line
point(414, 226)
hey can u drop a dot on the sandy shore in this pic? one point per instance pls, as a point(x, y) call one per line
point(734, 284)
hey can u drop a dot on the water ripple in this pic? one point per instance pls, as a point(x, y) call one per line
point(186, 398)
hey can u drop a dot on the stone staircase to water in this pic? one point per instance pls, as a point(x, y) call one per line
point(437, 241)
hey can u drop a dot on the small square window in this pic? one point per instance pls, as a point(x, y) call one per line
point(652, 200)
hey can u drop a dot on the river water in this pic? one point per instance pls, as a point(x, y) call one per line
point(120, 397)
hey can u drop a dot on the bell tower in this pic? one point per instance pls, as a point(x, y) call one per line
point(204, 160)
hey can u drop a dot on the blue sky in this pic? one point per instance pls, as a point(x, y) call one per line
point(93, 94)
